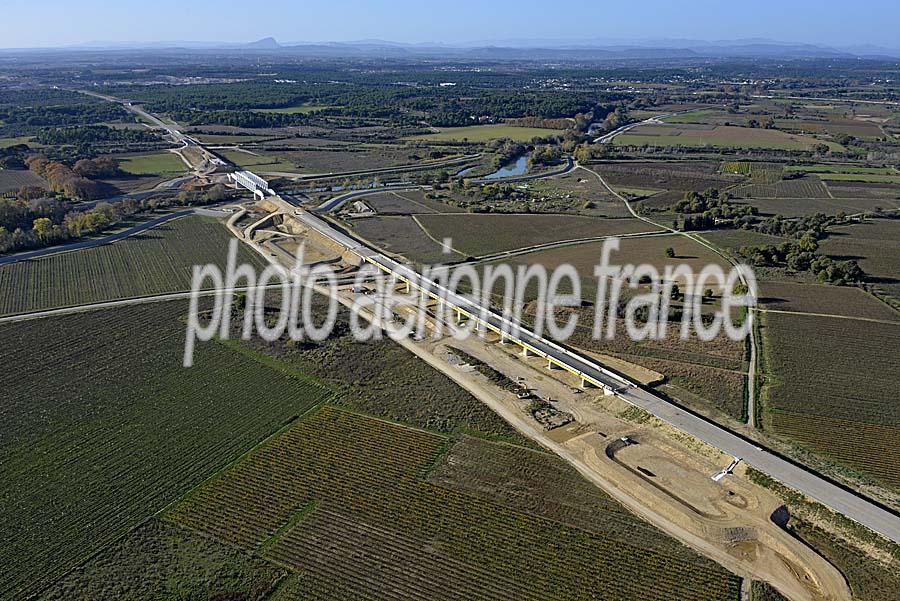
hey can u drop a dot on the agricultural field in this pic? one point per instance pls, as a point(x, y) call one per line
point(163, 256)
point(733, 240)
point(707, 376)
point(681, 176)
point(719, 136)
point(402, 235)
point(118, 429)
point(849, 173)
point(158, 163)
point(834, 126)
point(649, 249)
point(258, 162)
point(817, 298)
point(160, 559)
point(486, 133)
point(13, 179)
point(833, 390)
point(381, 378)
point(408, 202)
point(345, 501)
point(805, 187)
point(759, 173)
point(798, 207)
point(888, 194)
point(359, 157)
point(483, 234)
point(694, 116)
point(875, 245)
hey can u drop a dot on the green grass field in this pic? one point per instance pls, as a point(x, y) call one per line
point(695, 116)
point(156, 261)
point(721, 136)
point(486, 133)
point(158, 163)
point(117, 429)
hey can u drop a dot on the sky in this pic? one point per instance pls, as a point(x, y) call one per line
point(53, 23)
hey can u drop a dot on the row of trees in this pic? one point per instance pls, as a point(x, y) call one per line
point(49, 229)
point(73, 182)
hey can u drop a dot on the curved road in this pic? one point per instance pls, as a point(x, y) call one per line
point(333, 203)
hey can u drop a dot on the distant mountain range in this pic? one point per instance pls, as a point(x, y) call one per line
point(527, 49)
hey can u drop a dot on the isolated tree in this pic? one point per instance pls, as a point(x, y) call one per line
point(670, 252)
point(676, 292)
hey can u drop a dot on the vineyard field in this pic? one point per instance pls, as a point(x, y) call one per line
point(372, 506)
point(156, 261)
point(805, 187)
point(875, 244)
point(484, 234)
point(117, 429)
point(161, 560)
point(682, 176)
point(383, 379)
point(815, 298)
point(834, 390)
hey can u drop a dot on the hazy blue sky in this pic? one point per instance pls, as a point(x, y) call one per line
point(30, 23)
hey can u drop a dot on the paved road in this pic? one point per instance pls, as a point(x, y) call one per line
point(334, 203)
point(837, 498)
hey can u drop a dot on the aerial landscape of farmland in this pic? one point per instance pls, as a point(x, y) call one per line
point(464, 304)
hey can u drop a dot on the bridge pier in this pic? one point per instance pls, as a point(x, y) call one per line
point(526, 352)
point(551, 365)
